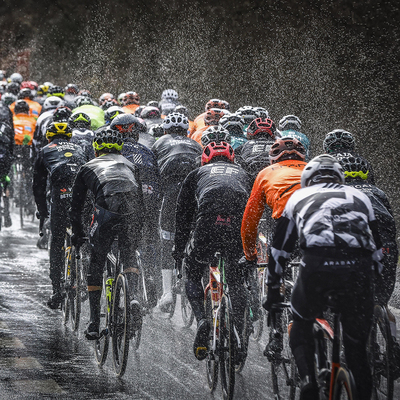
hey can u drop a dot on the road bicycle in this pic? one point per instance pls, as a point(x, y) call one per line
point(223, 337)
point(381, 355)
point(73, 284)
point(5, 218)
point(116, 322)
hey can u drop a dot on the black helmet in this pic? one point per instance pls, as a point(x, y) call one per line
point(56, 91)
point(108, 141)
point(338, 140)
point(128, 125)
point(83, 100)
point(25, 94)
point(8, 98)
point(355, 167)
point(13, 87)
point(61, 114)
point(150, 112)
point(21, 106)
point(79, 120)
point(111, 113)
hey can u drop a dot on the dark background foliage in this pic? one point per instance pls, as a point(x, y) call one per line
point(335, 64)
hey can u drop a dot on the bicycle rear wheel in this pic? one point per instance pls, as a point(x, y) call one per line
point(74, 293)
point(66, 282)
point(186, 308)
point(284, 375)
point(212, 361)
point(120, 325)
point(258, 325)
point(344, 386)
point(247, 329)
point(227, 349)
point(380, 350)
point(171, 308)
point(101, 345)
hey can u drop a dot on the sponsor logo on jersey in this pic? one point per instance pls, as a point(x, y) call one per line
point(68, 154)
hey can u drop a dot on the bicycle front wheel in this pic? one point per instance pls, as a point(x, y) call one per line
point(120, 325)
point(227, 349)
point(74, 293)
point(380, 350)
point(344, 386)
point(213, 345)
point(247, 328)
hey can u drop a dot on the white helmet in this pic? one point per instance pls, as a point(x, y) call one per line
point(16, 77)
point(323, 167)
point(52, 102)
point(175, 121)
point(169, 94)
point(290, 122)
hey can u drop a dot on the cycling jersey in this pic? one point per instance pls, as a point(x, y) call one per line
point(34, 108)
point(6, 148)
point(273, 186)
point(199, 133)
point(24, 124)
point(253, 156)
point(130, 109)
point(39, 136)
point(6, 115)
point(197, 123)
point(84, 138)
point(95, 113)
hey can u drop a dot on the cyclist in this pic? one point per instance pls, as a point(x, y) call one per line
point(27, 95)
point(341, 143)
point(235, 125)
point(339, 240)
point(214, 196)
point(119, 208)
point(6, 158)
point(183, 110)
point(5, 113)
point(176, 156)
point(82, 134)
point(145, 161)
point(253, 155)
point(211, 118)
point(213, 103)
point(59, 162)
point(24, 123)
point(151, 116)
point(85, 104)
point(71, 91)
point(130, 102)
point(168, 96)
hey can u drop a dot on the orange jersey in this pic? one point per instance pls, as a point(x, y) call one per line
point(34, 108)
point(130, 109)
point(198, 134)
point(197, 123)
point(273, 186)
point(23, 125)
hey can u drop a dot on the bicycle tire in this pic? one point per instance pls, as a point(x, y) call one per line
point(344, 386)
point(212, 362)
point(75, 299)
point(101, 345)
point(227, 349)
point(186, 308)
point(66, 279)
point(258, 325)
point(120, 325)
point(21, 202)
point(380, 350)
point(284, 376)
point(171, 307)
point(246, 336)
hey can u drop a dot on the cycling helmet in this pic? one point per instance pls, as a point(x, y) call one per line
point(128, 125)
point(338, 140)
point(322, 168)
point(2, 74)
point(213, 115)
point(104, 97)
point(121, 96)
point(85, 92)
point(28, 85)
point(248, 113)
point(217, 103)
point(261, 127)
point(167, 108)
point(130, 98)
point(150, 112)
point(111, 113)
point(21, 106)
point(233, 123)
point(169, 94)
point(287, 149)
point(152, 103)
point(48, 84)
point(25, 93)
point(290, 122)
point(182, 110)
point(56, 91)
point(61, 114)
point(13, 87)
point(58, 128)
point(83, 101)
point(261, 112)
point(138, 111)
point(214, 150)
point(16, 77)
point(108, 141)
point(215, 134)
point(42, 90)
point(8, 98)
point(175, 123)
point(353, 166)
point(80, 120)
point(52, 102)
point(71, 88)
point(109, 103)
point(156, 130)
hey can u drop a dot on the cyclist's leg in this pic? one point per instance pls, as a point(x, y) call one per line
point(167, 227)
point(356, 318)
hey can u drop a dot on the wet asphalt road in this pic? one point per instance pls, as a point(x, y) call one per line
point(42, 358)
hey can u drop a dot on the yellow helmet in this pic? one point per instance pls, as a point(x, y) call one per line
point(58, 128)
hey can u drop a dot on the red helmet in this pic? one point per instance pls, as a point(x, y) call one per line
point(262, 127)
point(28, 85)
point(287, 148)
point(213, 116)
point(222, 149)
point(130, 98)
